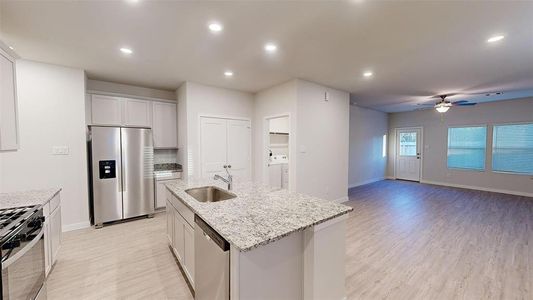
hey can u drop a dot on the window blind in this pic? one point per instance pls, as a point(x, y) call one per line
point(467, 147)
point(512, 148)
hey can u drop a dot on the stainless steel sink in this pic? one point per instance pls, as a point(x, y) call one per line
point(210, 194)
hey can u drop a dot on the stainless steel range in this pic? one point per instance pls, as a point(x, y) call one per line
point(22, 252)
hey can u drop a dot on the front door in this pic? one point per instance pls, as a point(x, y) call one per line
point(408, 154)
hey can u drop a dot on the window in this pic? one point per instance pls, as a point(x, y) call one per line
point(512, 148)
point(466, 147)
point(384, 146)
point(407, 143)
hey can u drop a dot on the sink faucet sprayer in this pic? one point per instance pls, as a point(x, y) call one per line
point(229, 181)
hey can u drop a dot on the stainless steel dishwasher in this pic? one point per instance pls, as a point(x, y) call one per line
point(211, 277)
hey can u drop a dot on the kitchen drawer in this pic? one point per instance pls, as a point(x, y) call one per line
point(46, 210)
point(161, 192)
point(184, 211)
point(54, 203)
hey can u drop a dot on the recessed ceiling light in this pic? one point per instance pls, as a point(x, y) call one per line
point(368, 74)
point(495, 38)
point(228, 73)
point(126, 50)
point(271, 47)
point(215, 27)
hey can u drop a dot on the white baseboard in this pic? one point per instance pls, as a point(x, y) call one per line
point(479, 188)
point(76, 226)
point(390, 177)
point(365, 182)
point(341, 199)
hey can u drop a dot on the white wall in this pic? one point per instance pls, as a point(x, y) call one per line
point(181, 94)
point(434, 153)
point(319, 133)
point(51, 109)
point(367, 128)
point(275, 101)
point(322, 141)
point(202, 100)
point(127, 89)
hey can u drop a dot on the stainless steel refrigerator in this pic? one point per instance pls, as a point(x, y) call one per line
point(121, 173)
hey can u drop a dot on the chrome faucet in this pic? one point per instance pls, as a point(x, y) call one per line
point(229, 181)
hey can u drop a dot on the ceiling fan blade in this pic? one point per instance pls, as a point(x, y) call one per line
point(447, 95)
point(460, 102)
point(464, 104)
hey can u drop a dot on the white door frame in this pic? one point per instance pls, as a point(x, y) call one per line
point(199, 172)
point(396, 130)
point(266, 140)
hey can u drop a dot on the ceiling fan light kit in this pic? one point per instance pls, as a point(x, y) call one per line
point(443, 107)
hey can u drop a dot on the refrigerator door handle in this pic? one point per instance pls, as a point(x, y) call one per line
point(123, 178)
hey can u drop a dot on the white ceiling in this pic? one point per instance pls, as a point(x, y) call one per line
point(415, 49)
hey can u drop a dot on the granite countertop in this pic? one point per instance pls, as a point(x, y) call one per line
point(258, 215)
point(167, 167)
point(27, 198)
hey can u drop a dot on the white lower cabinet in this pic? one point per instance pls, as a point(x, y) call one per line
point(52, 232)
point(179, 240)
point(170, 223)
point(55, 233)
point(189, 251)
point(182, 235)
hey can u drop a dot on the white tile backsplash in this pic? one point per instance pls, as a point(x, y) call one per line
point(165, 156)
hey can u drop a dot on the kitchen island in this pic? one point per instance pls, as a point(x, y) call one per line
point(283, 245)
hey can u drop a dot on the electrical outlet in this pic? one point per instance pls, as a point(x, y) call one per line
point(60, 150)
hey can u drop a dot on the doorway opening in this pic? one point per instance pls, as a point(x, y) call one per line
point(277, 151)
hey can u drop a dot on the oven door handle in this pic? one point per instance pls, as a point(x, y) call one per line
point(7, 262)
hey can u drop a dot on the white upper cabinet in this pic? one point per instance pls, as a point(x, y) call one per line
point(164, 125)
point(118, 111)
point(279, 125)
point(137, 113)
point(8, 103)
point(106, 110)
point(121, 111)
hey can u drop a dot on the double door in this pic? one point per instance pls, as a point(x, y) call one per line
point(225, 142)
point(122, 173)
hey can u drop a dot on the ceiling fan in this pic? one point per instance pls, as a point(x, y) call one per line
point(444, 105)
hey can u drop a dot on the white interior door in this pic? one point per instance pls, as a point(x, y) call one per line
point(408, 155)
point(239, 148)
point(213, 144)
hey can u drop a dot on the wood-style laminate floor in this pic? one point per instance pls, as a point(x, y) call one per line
point(404, 241)
point(122, 261)
point(408, 240)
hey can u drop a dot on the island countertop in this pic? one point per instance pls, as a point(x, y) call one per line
point(27, 198)
point(258, 215)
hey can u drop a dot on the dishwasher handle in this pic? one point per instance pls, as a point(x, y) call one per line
point(210, 234)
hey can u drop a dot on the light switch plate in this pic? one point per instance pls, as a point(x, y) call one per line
point(60, 150)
